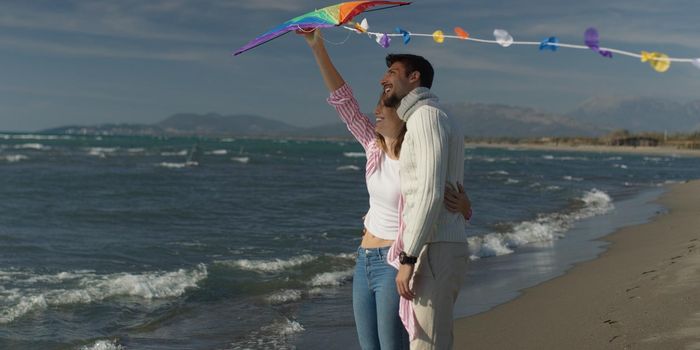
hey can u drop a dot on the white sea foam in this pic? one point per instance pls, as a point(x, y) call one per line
point(551, 157)
point(218, 152)
point(348, 168)
point(177, 165)
point(276, 265)
point(277, 335)
point(512, 181)
point(90, 288)
point(621, 166)
point(545, 228)
point(34, 146)
point(104, 345)
point(499, 172)
point(572, 178)
point(14, 158)
point(173, 154)
point(136, 150)
point(101, 151)
point(242, 160)
point(334, 279)
point(354, 154)
point(284, 296)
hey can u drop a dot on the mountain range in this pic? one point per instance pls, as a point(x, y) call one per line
point(594, 117)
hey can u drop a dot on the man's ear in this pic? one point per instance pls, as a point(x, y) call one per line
point(414, 76)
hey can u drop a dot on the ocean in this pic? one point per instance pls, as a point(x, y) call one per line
point(111, 242)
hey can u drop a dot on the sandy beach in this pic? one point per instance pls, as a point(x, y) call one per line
point(660, 150)
point(642, 293)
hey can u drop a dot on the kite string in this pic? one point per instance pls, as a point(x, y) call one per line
point(581, 47)
point(300, 29)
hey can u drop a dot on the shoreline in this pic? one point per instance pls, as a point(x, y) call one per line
point(640, 293)
point(641, 150)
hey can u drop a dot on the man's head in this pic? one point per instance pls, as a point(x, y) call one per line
point(405, 72)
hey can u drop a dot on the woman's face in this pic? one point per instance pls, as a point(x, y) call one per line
point(388, 122)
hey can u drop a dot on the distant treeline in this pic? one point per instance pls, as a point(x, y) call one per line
point(615, 138)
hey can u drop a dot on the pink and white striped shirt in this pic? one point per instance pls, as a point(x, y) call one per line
point(359, 125)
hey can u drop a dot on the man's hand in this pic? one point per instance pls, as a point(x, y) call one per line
point(403, 278)
point(457, 201)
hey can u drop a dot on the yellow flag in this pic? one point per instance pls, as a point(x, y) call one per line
point(438, 36)
point(657, 60)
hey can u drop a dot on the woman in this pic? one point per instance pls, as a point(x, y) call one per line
point(375, 298)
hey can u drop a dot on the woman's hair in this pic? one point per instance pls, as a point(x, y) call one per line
point(399, 140)
point(397, 145)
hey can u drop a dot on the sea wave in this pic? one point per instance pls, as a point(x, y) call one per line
point(277, 335)
point(34, 146)
point(331, 279)
point(348, 168)
point(278, 265)
point(354, 154)
point(173, 154)
point(284, 296)
point(170, 165)
point(275, 265)
point(543, 229)
point(14, 158)
point(90, 288)
point(103, 345)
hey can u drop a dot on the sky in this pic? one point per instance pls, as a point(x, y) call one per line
point(87, 62)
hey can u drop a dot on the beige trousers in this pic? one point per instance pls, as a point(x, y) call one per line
point(438, 277)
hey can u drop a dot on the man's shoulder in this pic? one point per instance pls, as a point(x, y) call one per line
point(432, 111)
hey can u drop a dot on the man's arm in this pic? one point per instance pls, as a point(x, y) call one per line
point(430, 141)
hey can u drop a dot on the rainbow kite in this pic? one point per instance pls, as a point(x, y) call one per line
point(331, 16)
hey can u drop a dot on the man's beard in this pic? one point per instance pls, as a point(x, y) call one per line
point(392, 101)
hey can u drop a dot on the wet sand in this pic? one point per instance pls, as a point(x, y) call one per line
point(642, 293)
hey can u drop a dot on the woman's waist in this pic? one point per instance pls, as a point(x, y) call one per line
point(369, 240)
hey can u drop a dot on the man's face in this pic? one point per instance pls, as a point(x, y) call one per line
point(396, 83)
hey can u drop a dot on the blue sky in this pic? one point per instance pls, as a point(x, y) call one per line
point(98, 61)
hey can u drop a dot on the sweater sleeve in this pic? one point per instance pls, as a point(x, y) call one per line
point(429, 134)
point(348, 109)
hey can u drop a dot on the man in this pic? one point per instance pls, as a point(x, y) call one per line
point(435, 250)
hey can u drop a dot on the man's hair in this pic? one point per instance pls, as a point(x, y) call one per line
point(414, 63)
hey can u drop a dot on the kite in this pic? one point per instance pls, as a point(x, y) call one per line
point(331, 16)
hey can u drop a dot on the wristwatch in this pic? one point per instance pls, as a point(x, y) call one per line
point(406, 259)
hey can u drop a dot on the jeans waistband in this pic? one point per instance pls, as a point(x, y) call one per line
point(371, 252)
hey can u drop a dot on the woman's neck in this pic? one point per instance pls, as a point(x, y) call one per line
point(390, 144)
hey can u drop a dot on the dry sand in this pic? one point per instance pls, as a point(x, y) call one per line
point(642, 293)
point(661, 150)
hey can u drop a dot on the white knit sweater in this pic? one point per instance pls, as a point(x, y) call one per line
point(432, 153)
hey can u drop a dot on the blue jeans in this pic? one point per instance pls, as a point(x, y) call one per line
point(375, 302)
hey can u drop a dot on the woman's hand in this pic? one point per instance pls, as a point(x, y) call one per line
point(457, 201)
point(312, 37)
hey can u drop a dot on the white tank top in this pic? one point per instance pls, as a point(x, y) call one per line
point(382, 219)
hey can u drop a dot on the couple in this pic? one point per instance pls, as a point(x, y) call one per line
point(413, 256)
